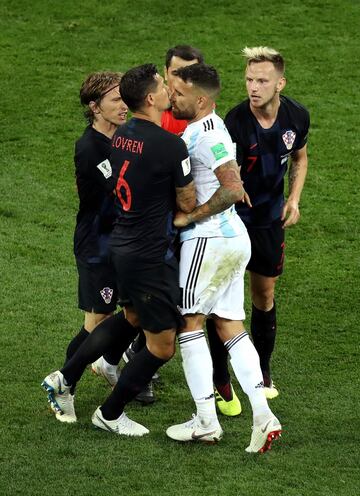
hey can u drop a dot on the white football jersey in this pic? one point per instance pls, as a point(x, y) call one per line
point(210, 146)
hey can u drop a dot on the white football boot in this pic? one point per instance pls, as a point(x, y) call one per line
point(195, 430)
point(264, 434)
point(122, 425)
point(59, 397)
point(106, 370)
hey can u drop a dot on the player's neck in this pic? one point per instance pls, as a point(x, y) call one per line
point(202, 113)
point(104, 127)
point(151, 115)
point(266, 116)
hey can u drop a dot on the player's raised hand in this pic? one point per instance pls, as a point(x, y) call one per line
point(290, 213)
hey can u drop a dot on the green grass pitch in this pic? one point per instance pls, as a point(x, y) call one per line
point(46, 50)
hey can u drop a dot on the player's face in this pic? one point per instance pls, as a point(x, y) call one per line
point(263, 83)
point(176, 63)
point(161, 94)
point(112, 108)
point(184, 100)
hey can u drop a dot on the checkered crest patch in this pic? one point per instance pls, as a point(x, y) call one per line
point(289, 138)
point(106, 294)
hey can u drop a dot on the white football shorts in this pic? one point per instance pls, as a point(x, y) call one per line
point(212, 276)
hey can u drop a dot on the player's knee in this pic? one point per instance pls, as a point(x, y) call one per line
point(162, 349)
point(263, 299)
point(93, 319)
point(227, 329)
point(131, 316)
point(163, 352)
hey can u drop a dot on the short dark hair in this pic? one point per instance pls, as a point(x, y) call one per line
point(136, 84)
point(185, 52)
point(202, 75)
point(95, 87)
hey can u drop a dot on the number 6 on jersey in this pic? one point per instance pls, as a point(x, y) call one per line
point(121, 183)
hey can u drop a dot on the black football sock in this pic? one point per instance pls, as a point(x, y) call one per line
point(263, 330)
point(139, 342)
point(76, 342)
point(225, 391)
point(113, 331)
point(136, 374)
point(219, 355)
point(114, 354)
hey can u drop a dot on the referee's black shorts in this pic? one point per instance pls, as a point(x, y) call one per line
point(151, 288)
point(97, 290)
point(267, 250)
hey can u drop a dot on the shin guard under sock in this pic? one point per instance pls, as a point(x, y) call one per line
point(136, 374)
point(76, 342)
point(113, 331)
point(139, 343)
point(219, 356)
point(263, 330)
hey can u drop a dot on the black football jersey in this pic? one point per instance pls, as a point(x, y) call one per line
point(95, 184)
point(263, 156)
point(148, 163)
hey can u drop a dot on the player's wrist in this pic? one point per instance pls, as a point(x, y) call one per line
point(293, 199)
point(189, 218)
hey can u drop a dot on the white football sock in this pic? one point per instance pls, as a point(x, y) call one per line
point(246, 365)
point(198, 369)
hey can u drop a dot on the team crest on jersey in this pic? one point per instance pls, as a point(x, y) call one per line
point(105, 168)
point(289, 138)
point(107, 294)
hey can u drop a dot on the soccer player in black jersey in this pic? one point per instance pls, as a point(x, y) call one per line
point(269, 130)
point(105, 111)
point(151, 168)
point(176, 57)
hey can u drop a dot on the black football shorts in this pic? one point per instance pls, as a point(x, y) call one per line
point(151, 289)
point(267, 250)
point(97, 290)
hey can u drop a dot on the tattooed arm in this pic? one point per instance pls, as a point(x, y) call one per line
point(297, 175)
point(229, 192)
point(186, 197)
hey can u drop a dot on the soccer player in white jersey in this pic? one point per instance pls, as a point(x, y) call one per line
point(214, 253)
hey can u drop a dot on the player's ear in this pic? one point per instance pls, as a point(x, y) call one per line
point(165, 73)
point(94, 107)
point(202, 101)
point(150, 99)
point(281, 84)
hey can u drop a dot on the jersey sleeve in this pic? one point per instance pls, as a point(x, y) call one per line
point(92, 164)
point(304, 130)
point(230, 123)
point(215, 149)
point(182, 167)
